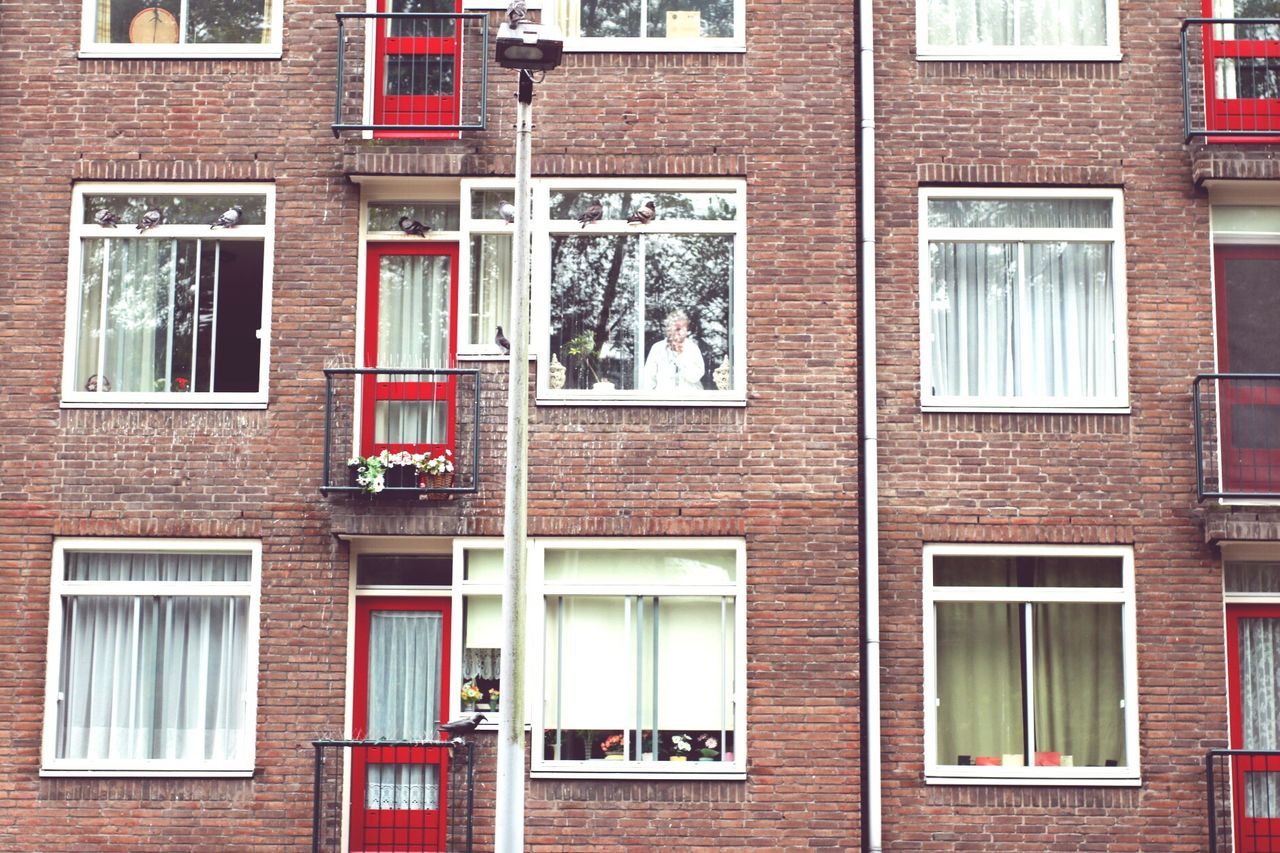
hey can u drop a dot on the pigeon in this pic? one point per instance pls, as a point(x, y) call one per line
point(591, 214)
point(507, 211)
point(644, 215)
point(229, 218)
point(409, 225)
point(501, 340)
point(517, 12)
point(460, 726)
point(151, 219)
point(106, 218)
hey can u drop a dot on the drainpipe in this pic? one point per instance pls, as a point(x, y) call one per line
point(869, 499)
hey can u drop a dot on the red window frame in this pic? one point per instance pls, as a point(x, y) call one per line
point(376, 387)
point(1251, 835)
point(1243, 468)
point(416, 111)
point(396, 829)
point(1223, 113)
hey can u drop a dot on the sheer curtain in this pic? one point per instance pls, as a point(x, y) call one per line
point(137, 277)
point(980, 695)
point(491, 283)
point(1008, 23)
point(403, 704)
point(1260, 708)
point(152, 676)
point(1022, 320)
point(413, 311)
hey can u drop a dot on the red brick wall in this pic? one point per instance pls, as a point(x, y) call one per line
point(780, 472)
point(1028, 478)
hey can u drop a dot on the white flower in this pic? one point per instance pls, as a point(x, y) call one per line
point(354, 460)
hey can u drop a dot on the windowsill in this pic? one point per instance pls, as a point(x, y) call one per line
point(973, 408)
point(146, 774)
point(1249, 501)
point(212, 51)
point(652, 45)
point(662, 772)
point(586, 398)
point(1056, 781)
point(1048, 55)
point(141, 404)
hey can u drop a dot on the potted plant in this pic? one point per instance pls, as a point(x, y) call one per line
point(583, 347)
point(681, 746)
point(435, 472)
point(613, 747)
point(470, 696)
point(383, 470)
point(493, 698)
point(707, 748)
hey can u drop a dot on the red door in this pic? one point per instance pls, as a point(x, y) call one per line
point(1248, 296)
point(399, 793)
point(417, 68)
point(1253, 649)
point(410, 325)
point(1242, 68)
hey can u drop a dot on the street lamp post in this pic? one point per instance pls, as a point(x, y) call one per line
point(526, 47)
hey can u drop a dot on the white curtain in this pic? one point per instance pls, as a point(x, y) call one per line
point(1259, 683)
point(405, 656)
point(1010, 23)
point(1022, 319)
point(152, 676)
point(491, 285)
point(413, 312)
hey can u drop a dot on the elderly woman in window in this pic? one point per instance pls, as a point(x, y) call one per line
point(675, 362)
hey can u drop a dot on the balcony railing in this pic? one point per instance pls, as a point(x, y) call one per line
point(411, 74)
point(370, 409)
point(1244, 800)
point(403, 796)
point(1231, 79)
point(1237, 418)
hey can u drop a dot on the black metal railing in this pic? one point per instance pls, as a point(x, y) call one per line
point(434, 413)
point(1237, 424)
point(393, 795)
point(1244, 800)
point(1231, 78)
point(411, 73)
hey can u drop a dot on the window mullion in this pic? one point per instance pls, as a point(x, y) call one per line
point(195, 320)
point(1029, 688)
point(213, 327)
point(184, 21)
point(103, 293)
point(657, 626)
point(724, 672)
point(173, 292)
point(559, 671)
point(638, 352)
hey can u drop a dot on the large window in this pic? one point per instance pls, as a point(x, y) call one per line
point(688, 25)
point(152, 656)
point(641, 306)
point(642, 658)
point(1023, 303)
point(1030, 670)
point(1018, 29)
point(182, 27)
point(169, 295)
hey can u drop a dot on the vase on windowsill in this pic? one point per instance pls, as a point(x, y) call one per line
point(604, 385)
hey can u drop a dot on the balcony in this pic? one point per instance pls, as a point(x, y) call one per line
point(406, 796)
point(411, 75)
point(1231, 79)
point(1237, 422)
point(431, 411)
point(1244, 800)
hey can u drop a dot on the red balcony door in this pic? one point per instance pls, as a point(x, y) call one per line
point(417, 68)
point(399, 794)
point(1248, 296)
point(410, 323)
point(1242, 67)
point(1253, 648)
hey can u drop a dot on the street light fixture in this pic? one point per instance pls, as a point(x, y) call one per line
point(525, 47)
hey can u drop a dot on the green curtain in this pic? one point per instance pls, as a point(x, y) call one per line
point(980, 707)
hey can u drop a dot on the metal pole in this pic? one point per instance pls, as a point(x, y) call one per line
point(509, 806)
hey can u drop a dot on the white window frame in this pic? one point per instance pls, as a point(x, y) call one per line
point(543, 230)
point(646, 44)
point(89, 49)
point(475, 226)
point(936, 773)
point(1031, 53)
point(543, 768)
point(1113, 235)
point(76, 397)
point(242, 764)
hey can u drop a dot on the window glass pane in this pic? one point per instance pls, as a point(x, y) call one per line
point(1019, 213)
point(410, 422)
point(423, 27)
point(594, 283)
point(490, 285)
point(1252, 577)
point(655, 567)
point(483, 565)
point(404, 675)
point(419, 74)
point(714, 206)
point(687, 283)
point(482, 644)
point(153, 566)
point(1078, 668)
point(969, 22)
point(606, 18)
point(484, 203)
point(153, 677)
point(404, 570)
point(1064, 23)
point(1005, 23)
point(160, 21)
point(413, 312)
point(980, 687)
point(1027, 571)
point(176, 209)
point(690, 19)
point(589, 680)
point(229, 21)
point(438, 215)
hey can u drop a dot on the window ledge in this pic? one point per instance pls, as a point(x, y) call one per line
point(585, 399)
point(655, 45)
point(1056, 781)
point(973, 408)
point(190, 55)
point(641, 775)
point(124, 404)
point(1107, 55)
point(54, 773)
